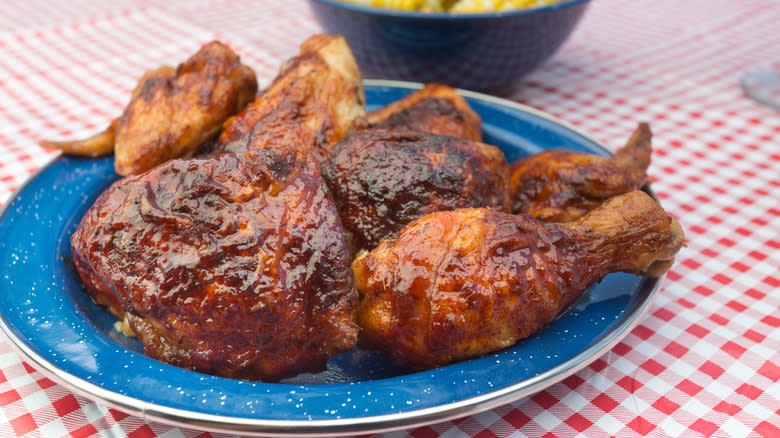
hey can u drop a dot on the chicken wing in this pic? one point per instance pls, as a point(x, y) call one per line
point(234, 265)
point(173, 111)
point(459, 284)
point(311, 104)
point(435, 108)
point(561, 186)
point(382, 180)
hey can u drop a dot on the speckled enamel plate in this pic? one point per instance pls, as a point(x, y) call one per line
point(56, 327)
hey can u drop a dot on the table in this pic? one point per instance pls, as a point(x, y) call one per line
point(706, 358)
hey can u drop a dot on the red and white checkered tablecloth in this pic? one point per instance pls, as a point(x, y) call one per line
point(705, 361)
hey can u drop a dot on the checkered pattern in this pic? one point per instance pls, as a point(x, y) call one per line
point(706, 359)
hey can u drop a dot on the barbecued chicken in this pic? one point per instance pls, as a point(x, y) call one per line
point(172, 112)
point(382, 180)
point(311, 104)
point(234, 265)
point(459, 284)
point(435, 108)
point(561, 186)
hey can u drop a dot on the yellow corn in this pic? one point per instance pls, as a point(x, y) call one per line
point(436, 5)
point(406, 5)
point(519, 4)
point(496, 5)
point(464, 6)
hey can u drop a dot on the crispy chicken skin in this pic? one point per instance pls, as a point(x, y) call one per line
point(311, 103)
point(459, 284)
point(435, 108)
point(172, 112)
point(382, 180)
point(561, 186)
point(234, 265)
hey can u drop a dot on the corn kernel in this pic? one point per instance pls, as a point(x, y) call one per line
point(463, 6)
point(404, 5)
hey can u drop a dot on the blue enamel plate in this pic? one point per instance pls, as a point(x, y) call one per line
point(48, 316)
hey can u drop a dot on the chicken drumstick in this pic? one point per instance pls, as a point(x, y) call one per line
point(459, 284)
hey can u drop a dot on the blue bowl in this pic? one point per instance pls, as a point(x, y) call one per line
point(484, 52)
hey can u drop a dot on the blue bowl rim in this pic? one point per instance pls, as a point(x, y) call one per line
point(448, 16)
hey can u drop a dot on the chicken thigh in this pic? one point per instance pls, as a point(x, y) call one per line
point(172, 112)
point(382, 180)
point(459, 284)
point(561, 185)
point(435, 108)
point(234, 265)
point(311, 104)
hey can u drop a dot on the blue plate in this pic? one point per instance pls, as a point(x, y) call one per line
point(47, 315)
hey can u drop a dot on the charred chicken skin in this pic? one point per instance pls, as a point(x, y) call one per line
point(173, 111)
point(311, 103)
point(561, 186)
point(382, 180)
point(459, 284)
point(435, 108)
point(235, 265)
